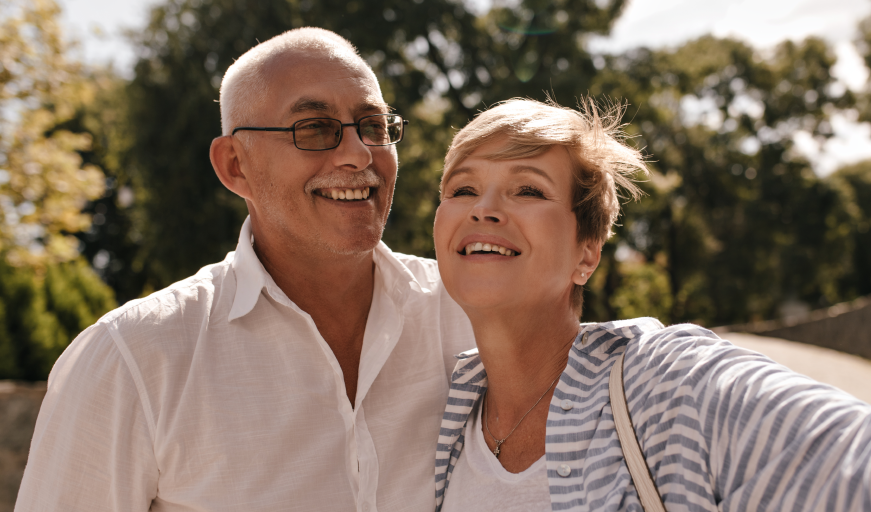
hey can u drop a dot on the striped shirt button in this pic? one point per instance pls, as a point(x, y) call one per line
point(563, 470)
point(585, 338)
point(567, 405)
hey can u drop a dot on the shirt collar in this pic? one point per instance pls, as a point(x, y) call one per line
point(250, 274)
point(251, 277)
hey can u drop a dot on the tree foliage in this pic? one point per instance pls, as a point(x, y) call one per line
point(47, 293)
point(43, 184)
point(436, 62)
point(41, 312)
point(735, 223)
point(741, 221)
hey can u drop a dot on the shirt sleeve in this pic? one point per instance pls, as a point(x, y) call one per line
point(92, 448)
point(753, 433)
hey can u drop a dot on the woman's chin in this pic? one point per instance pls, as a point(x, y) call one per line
point(482, 298)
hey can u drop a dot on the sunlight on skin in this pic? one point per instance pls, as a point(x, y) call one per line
point(522, 205)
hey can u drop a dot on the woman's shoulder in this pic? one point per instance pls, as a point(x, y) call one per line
point(658, 356)
point(650, 338)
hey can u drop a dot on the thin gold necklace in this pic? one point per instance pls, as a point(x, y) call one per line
point(499, 442)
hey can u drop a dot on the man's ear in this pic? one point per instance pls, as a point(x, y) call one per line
point(226, 156)
point(591, 254)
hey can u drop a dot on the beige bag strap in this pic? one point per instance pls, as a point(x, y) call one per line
point(651, 501)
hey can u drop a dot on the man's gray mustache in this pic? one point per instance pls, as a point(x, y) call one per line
point(344, 179)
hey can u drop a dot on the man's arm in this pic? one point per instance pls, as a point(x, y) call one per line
point(92, 449)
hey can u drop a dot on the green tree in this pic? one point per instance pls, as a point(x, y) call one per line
point(47, 293)
point(735, 217)
point(854, 185)
point(43, 184)
point(741, 220)
point(437, 63)
point(42, 311)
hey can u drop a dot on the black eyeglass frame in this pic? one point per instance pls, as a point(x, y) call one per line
point(292, 129)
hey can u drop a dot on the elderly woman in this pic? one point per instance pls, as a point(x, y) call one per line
point(529, 195)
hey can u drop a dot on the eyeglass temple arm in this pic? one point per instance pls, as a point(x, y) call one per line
point(260, 129)
point(269, 129)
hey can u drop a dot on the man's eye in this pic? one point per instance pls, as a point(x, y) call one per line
point(311, 126)
point(528, 191)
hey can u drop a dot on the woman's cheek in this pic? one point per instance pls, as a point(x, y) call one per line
point(442, 229)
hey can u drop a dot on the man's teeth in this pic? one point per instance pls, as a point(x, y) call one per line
point(349, 194)
point(482, 247)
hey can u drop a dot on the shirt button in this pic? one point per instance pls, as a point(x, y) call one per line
point(567, 405)
point(563, 470)
point(585, 338)
point(366, 507)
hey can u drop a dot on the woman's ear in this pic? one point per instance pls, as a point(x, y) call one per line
point(226, 155)
point(591, 254)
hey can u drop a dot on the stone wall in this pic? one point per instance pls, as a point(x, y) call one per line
point(844, 327)
point(19, 406)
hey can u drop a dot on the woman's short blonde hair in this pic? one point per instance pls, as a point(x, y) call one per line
point(601, 159)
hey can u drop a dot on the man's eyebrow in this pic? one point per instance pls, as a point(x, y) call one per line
point(309, 104)
point(366, 107)
point(313, 105)
point(517, 169)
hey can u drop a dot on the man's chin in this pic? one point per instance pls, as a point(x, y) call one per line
point(357, 243)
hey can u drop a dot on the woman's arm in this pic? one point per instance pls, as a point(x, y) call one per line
point(758, 435)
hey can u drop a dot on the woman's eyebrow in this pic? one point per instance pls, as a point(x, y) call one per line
point(518, 169)
point(459, 170)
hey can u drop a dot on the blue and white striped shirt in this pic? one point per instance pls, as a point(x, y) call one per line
point(721, 427)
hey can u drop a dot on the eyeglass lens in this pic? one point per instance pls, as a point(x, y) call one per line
point(378, 130)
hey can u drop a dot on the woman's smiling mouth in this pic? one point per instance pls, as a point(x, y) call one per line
point(483, 248)
point(487, 244)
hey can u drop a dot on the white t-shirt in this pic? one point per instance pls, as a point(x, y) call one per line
point(480, 483)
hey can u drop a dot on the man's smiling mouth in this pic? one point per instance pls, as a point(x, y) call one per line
point(345, 194)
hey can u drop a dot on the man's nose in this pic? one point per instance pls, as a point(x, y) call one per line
point(352, 154)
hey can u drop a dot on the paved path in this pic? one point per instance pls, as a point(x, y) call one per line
point(849, 373)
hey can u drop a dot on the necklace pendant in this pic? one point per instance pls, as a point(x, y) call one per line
point(497, 450)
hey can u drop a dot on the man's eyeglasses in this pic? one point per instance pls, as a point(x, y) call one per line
point(323, 133)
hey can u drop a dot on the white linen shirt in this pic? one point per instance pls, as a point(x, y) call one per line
point(219, 394)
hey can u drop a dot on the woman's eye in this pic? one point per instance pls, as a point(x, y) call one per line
point(463, 191)
point(528, 191)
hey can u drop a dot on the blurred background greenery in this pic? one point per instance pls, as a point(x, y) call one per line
point(107, 193)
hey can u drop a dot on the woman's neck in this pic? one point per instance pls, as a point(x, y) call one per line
point(523, 350)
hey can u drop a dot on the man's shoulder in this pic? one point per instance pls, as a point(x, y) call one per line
point(191, 297)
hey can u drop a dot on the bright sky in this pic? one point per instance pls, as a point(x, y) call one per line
point(99, 24)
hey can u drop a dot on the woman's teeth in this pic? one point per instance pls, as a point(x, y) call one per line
point(348, 194)
point(482, 247)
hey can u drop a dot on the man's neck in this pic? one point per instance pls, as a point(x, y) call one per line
point(335, 290)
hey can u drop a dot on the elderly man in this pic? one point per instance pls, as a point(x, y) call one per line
point(309, 369)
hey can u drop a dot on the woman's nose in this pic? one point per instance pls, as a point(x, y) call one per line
point(487, 209)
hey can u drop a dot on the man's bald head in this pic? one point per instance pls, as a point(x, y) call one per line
point(246, 82)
